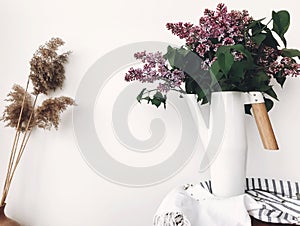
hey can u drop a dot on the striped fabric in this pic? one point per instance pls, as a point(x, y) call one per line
point(280, 200)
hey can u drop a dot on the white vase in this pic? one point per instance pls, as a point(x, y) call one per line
point(227, 124)
point(225, 140)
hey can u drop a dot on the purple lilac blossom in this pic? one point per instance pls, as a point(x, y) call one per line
point(223, 28)
point(285, 65)
point(155, 69)
point(226, 27)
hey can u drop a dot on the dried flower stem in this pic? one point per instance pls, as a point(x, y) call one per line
point(11, 162)
point(15, 164)
point(20, 153)
point(22, 148)
point(47, 74)
point(12, 156)
point(13, 150)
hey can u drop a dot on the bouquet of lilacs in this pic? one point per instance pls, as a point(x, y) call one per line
point(226, 51)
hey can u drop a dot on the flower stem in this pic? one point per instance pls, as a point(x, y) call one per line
point(21, 151)
point(14, 148)
point(14, 164)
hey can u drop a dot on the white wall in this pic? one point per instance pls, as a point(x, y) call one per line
point(54, 186)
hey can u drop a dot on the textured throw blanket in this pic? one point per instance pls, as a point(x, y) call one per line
point(273, 201)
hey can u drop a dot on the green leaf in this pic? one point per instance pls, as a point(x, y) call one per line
point(262, 87)
point(148, 99)
point(270, 40)
point(215, 69)
point(182, 51)
point(156, 102)
point(240, 48)
point(223, 49)
point(269, 104)
point(280, 79)
point(290, 53)
point(189, 85)
point(158, 95)
point(259, 38)
point(204, 101)
point(255, 23)
point(158, 99)
point(200, 94)
point(225, 61)
point(258, 28)
point(281, 23)
point(189, 62)
point(237, 71)
point(272, 93)
point(140, 96)
point(181, 60)
point(170, 55)
point(214, 79)
point(259, 82)
point(262, 76)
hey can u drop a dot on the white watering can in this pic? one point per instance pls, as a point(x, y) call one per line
point(225, 140)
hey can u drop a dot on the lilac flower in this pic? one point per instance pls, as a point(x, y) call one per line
point(287, 67)
point(226, 27)
point(163, 88)
point(155, 69)
point(237, 56)
point(267, 56)
point(202, 49)
point(186, 31)
point(140, 55)
point(228, 41)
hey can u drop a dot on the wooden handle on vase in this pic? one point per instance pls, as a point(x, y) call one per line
point(264, 126)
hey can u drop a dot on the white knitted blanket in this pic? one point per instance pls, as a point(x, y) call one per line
point(273, 201)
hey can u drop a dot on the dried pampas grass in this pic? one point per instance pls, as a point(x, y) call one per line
point(47, 74)
point(47, 71)
point(48, 114)
point(20, 100)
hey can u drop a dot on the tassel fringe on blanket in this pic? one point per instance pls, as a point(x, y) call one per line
point(171, 219)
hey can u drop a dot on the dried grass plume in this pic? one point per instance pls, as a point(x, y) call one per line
point(12, 111)
point(47, 71)
point(48, 114)
point(47, 74)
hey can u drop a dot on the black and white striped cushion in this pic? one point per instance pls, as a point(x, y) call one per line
point(280, 200)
